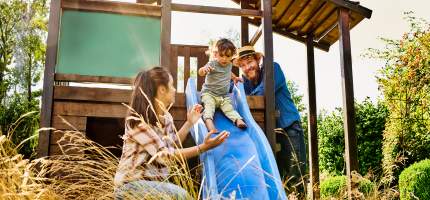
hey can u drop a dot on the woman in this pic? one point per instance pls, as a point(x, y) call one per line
point(150, 140)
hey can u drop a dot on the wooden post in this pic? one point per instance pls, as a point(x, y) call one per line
point(166, 18)
point(348, 97)
point(312, 121)
point(48, 77)
point(244, 30)
point(269, 85)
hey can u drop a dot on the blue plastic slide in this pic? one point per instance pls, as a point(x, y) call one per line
point(243, 167)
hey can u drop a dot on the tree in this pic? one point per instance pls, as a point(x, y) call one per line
point(23, 29)
point(405, 84)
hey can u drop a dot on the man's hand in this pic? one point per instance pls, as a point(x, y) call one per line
point(237, 79)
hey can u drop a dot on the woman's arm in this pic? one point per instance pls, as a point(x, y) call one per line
point(207, 144)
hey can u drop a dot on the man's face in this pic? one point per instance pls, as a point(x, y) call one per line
point(250, 68)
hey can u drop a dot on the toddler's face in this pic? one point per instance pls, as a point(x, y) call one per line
point(223, 59)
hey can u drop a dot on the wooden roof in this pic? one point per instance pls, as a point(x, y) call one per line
point(297, 18)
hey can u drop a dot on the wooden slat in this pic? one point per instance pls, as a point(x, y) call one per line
point(201, 61)
point(216, 10)
point(54, 149)
point(102, 95)
point(280, 9)
point(322, 46)
point(328, 24)
point(92, 79)
point(333, 35)
point(57, 135)
point(186, 65)
point(316, 19)
point(255, 102)
point(89, 109)
point(92, 94)
point(291, 13)
point(48, 78)
point(59, 122)
point(174, 65)
point(113, 7)
point(258, 115)
point(310, 10)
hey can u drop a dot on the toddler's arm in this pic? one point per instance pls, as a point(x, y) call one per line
point(205, 70)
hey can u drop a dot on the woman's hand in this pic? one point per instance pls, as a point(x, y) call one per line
point(210, 143)
point(194, 114)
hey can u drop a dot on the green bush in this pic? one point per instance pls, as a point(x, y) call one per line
point(414, 181)
point(335, 186)
point(370, 124)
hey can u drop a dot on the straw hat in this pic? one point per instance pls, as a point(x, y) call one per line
point(245, 51)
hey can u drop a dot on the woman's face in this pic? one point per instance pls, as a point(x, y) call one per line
point(167, 95)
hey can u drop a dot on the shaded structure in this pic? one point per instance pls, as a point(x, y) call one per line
point(108, 42)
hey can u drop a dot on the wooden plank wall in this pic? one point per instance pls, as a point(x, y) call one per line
point(76, 104)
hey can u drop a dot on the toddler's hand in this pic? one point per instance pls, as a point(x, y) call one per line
point(237, 79)
point(208, 69)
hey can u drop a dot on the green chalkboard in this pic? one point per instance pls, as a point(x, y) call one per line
point(105, 44)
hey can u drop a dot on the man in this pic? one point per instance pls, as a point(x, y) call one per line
point(292, 157)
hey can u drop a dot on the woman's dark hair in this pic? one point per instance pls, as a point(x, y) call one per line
point(148, 81)
point(225, 47)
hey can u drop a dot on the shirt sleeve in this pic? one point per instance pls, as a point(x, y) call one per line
point(279, 77)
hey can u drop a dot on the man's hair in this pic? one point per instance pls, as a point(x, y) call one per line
point(225, 47)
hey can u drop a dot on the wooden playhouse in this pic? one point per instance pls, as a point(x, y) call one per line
point(95, 47)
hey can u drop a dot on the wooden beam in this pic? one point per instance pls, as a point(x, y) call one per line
point(48, 77)
point(166, 28)
point(244, 30)
point(256, 36)
point(269, 84)
point(353, 6)
point(92, 79)
point(312, 121)
point(112, 7)
point(216, 10)
point(348, 98)
point(321, 46)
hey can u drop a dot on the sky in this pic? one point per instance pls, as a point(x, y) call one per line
point(386, 21)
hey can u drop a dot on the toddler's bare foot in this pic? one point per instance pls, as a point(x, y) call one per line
point(241, 124)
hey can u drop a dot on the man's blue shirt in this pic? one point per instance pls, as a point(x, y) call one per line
point(283, 101)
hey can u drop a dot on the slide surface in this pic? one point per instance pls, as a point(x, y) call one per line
point(243, 166)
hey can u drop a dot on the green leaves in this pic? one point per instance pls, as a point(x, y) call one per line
point(405, 84)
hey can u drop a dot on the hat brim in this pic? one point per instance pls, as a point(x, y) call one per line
point(236, 59)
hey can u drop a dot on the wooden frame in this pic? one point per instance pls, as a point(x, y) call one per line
point(48, 77)
point(112, 7)
point(217, 10)
point(256, 36)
